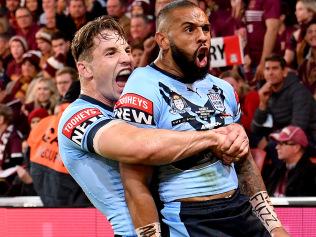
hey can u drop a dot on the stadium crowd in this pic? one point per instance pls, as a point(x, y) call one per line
point(276, 85)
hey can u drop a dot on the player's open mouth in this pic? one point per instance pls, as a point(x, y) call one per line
point(201, 57)
point(122, 77)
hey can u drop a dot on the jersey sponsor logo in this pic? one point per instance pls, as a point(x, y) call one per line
point(134, 115)
point(76, 126)
point(135, 101)
point(178, 104)
point(134, 108)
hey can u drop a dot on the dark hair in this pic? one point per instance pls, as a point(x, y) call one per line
point(68, 70)
point(137, 45)
point(170, 7)
point(83, 42)
point(59, 35)
point(7, 113)
point(276, 58)
point(312, 22)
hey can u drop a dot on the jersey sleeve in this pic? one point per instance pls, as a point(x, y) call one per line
point(80, 126)
point(139, 102)
point(233, 102)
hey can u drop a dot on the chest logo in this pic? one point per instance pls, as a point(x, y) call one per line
point(216, 101)
point(178, 104)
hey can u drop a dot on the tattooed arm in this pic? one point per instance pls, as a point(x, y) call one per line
point(249, 177)
point(252, 185)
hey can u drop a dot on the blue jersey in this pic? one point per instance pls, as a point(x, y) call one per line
point(99, 177)
point(155, 99)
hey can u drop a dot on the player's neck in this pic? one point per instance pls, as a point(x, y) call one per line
point(168, 65)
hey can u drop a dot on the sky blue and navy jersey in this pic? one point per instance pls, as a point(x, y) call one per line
point(152, 98)
point(99, 177)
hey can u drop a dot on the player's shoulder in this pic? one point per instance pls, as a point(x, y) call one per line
point(147, 73)
point(218, 82)
point(82, 110)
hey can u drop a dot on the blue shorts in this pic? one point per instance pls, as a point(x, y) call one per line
point(227, 217)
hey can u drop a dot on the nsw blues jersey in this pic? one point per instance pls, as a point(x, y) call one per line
point(155, 99)
point(98, 177)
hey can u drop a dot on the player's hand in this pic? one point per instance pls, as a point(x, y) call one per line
point(233, 143)
point(279, 232)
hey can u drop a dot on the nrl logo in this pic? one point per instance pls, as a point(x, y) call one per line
point(178, 104)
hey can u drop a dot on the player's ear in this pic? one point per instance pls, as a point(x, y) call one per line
point(84, 69)
point(162, 40)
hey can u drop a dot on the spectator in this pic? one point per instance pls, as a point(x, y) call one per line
point(137, 52)
point(26, 27)
point(51, 179)
point(286, 29)
point(47, 5)
point(141, 28)
point(307, 70)
point(30, 68)
point(296, 48)
point(36, 116)
point(141, 7)
point(283, 101)
point(52, 65)
point(51, 22)
point(64, 79)
point(35, 7)
point(159, 4)
point(262, 21)
point(23, 183)
point(10, 149)
point(5, 54)
point(297, 175)
point(18, 46)
point(225, 19)
point(76, 18)
point(61, 45)
point(45, 96)
point(118, 9)
point(44, 44)
point(12, 6)
point(249, 99)
point(3, 77)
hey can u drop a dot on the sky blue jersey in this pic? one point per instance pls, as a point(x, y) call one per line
point(153, 98)
point(99, 177)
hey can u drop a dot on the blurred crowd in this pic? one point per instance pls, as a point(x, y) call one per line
point(276, 85)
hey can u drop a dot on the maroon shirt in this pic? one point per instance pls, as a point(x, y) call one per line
point(14, 68)
point(282, 39)
point(223, 24)
point(30, 36)
point(258, 11)
point(10, 148)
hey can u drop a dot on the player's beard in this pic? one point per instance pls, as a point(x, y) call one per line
point(191, 72)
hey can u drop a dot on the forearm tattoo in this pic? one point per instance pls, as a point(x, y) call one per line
point(150, 230)
point(262, 207)
point(249, 177)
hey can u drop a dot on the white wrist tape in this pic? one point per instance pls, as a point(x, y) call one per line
point(262, 207)
point(150, 230)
